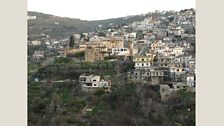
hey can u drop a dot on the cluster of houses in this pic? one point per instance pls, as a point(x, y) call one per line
point(90, 83)
point(167, 66)
point(162, 47)
point(110, 47)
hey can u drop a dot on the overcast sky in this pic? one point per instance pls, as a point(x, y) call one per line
point(104, 9)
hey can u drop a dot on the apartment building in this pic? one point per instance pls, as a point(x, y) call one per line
point(142, 62)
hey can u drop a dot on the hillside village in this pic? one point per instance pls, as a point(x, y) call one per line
point(148, 64)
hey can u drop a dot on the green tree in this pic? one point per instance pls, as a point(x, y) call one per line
point(80, 54)
point(72, 41)
point(81, 36)
point(101, 34)
point(155, 59)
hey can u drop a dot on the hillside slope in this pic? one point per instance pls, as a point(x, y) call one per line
point(59, 27)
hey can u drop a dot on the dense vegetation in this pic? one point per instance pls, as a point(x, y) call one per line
point(129, 104)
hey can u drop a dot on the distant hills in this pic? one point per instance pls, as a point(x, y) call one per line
point(60, 27)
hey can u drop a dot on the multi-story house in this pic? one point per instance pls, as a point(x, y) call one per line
point(142, 62)
point(91, 83)
point(166, 90)
point(92, 55)
point(36, 43)
point(38, 55)
point(153, 76)
point(165, 61)
point(120, 51)
point(157, 45)
point(191, 80)
point(177, 51)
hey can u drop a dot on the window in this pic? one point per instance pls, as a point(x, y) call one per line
point(142, 59)
point(142, 64)
point(95, 85)
point(147, 64)
point(94, 80)
point(136, 73)
point(82, 79)
point(121, 49)
point(88, 84)
point(125, 49)
point(177, 69)
point(178, 86)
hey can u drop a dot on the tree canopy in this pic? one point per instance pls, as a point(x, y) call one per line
point(72, 41)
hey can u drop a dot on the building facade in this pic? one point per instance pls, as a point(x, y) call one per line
point(91, 83)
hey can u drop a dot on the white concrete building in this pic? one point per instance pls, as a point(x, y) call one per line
point(120, 51)
point(31, 17)
point(142, 62)
point(91, 83)
point(178, 51)
point(36, 43)
point(190, 81)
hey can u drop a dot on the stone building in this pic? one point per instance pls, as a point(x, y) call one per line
point(92, 54)
point(107, 43)
point(71, 51)
point(166, 90)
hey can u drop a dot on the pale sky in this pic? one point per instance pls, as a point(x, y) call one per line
point(104, 9)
